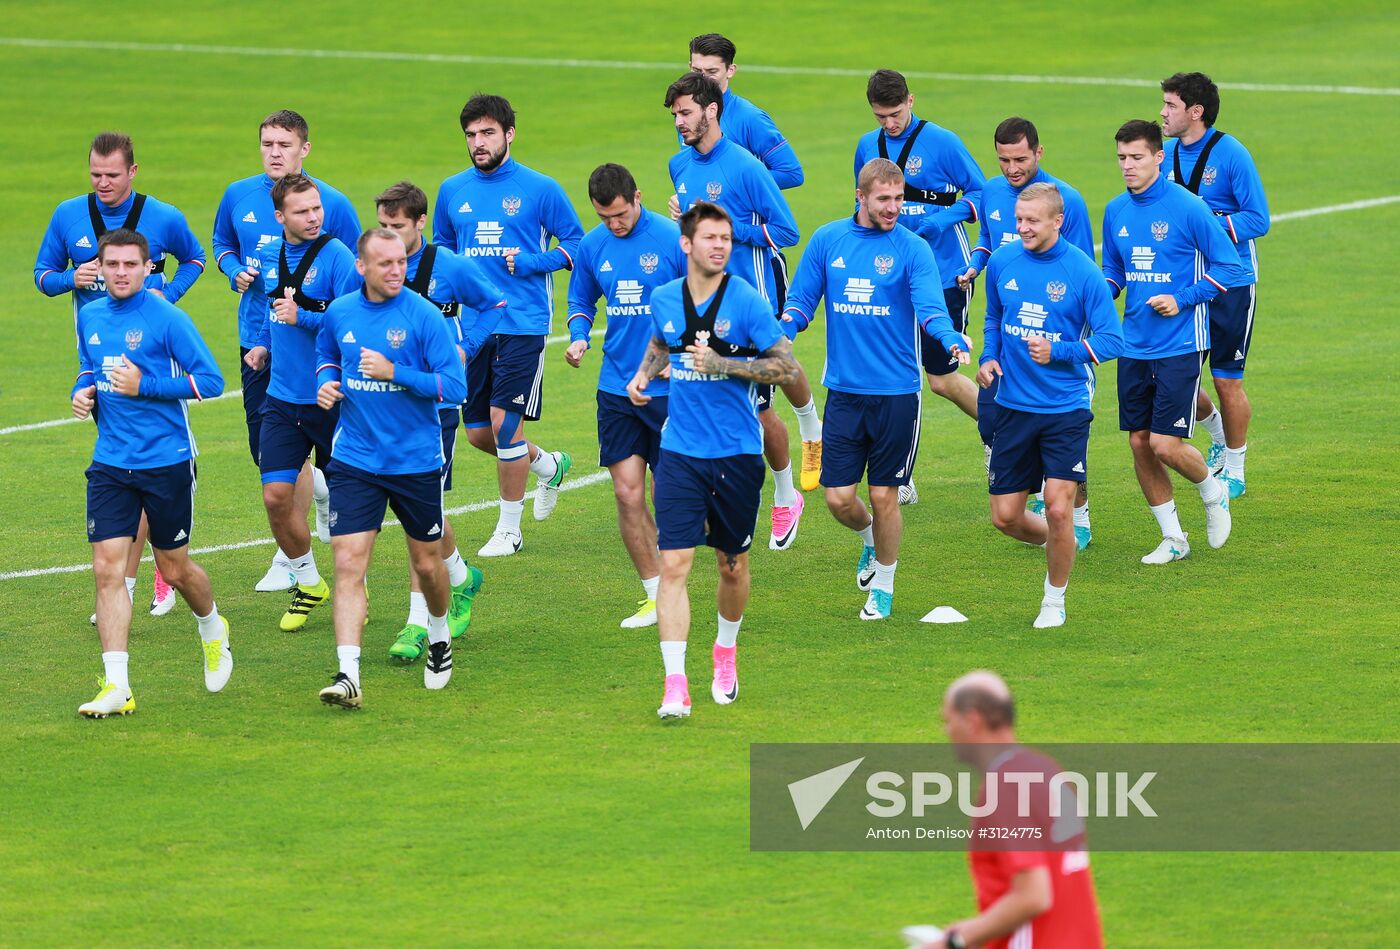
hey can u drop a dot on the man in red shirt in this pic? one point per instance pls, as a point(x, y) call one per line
point(1027, 899)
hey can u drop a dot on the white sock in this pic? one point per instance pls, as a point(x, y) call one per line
point(349, 657)
point(114, 668)
point(784, 494)
point(456, 568)
point(305, 570)
point(1167, 519)
point(884, 576)
point(509, 518)
point(651, 585)
point(544, 464)
point(1210, 489)
point(1054, 594)
point(210, 627)
point(809, 424)
point(1215, 425)
point(417, 609)
point(1234, 461)
point(673, 658)
point(131, 589)
point(281, 559)
point(728, 635)
point(437, 629)
point(867, 534)
point(320, 491)
point(1081, 515)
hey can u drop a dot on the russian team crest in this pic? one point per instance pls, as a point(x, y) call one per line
point(713, 190)
point(133, 339)
point(1159, 230)
point(914, 165)
point(1208, 176)
point(722, 328)
point(884, 264)
point(310, 274)
point(649, 262)
point(1056, 290)
point(396, 337)
point(511, 205)
point(432, 286)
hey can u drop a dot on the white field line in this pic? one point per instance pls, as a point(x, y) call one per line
point(53, 422)
point(584, 482)
point(672, 67)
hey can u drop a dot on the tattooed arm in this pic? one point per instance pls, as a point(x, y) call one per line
point(655, 362)
point(777, 366)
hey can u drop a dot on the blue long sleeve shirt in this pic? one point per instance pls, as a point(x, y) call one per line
point(461, 280)
point(1059, 295)
point(152, 429)
point(735, 180)
point(1165, 240)
point(882, 290)
point(244, 224)
point(755, 131)
point(624, 272)
point(939, 161)
point(996, 214)
point(70, 241)
point(483, 215)
point(713, 415)
point(293, 348)
point(1230, 187)
point(390, 426)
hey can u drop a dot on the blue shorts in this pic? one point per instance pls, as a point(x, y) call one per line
point(291, 433)
point(937, 360)
point(707, 501)
point(449, 419)
point(358, 498)
point(254, 393)
point(507, 372)
point(987, 409)
point(1231, 328)
point(117, 496)
point(1159, 394)
point(880, 432)
point(625, 429)
point(1028, 447)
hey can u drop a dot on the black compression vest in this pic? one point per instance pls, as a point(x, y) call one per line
point(294, 280)
point(944, 199)
point(424, 276)
point(697, 323)
point(133, 217)
point(1194, 185)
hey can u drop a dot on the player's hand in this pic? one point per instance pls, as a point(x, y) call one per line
point(665, 372)
point(373, 365)
point(242, 281)
point(510, 255)
point(1164, 304)
point(285, 309)
point(574, 354)
point(635, 390)
point(125, 378)
point(85, 275)
point(1039, 348)
point(705, 359)
point(988, 373)
point(83, 400)
point(256, 358)
point(963, 353)
point(673, 205)
point(328, 395)
point(966, 277)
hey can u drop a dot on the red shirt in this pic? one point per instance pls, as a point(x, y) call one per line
point(1072, 921)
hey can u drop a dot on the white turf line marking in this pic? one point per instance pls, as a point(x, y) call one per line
point(673, 67)
point(586, 481)
point(583, 482)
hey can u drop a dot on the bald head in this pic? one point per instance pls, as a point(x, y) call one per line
point(986, 693)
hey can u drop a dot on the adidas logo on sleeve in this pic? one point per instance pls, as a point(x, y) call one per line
point(349, 337)
point(94, 340)
point(606, 268)
point(250, 218)
point(466, 208)
point(1011, 285)
point(84, 242)
point(1123, 231)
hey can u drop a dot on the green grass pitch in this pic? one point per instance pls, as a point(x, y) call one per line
point(537, 800)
